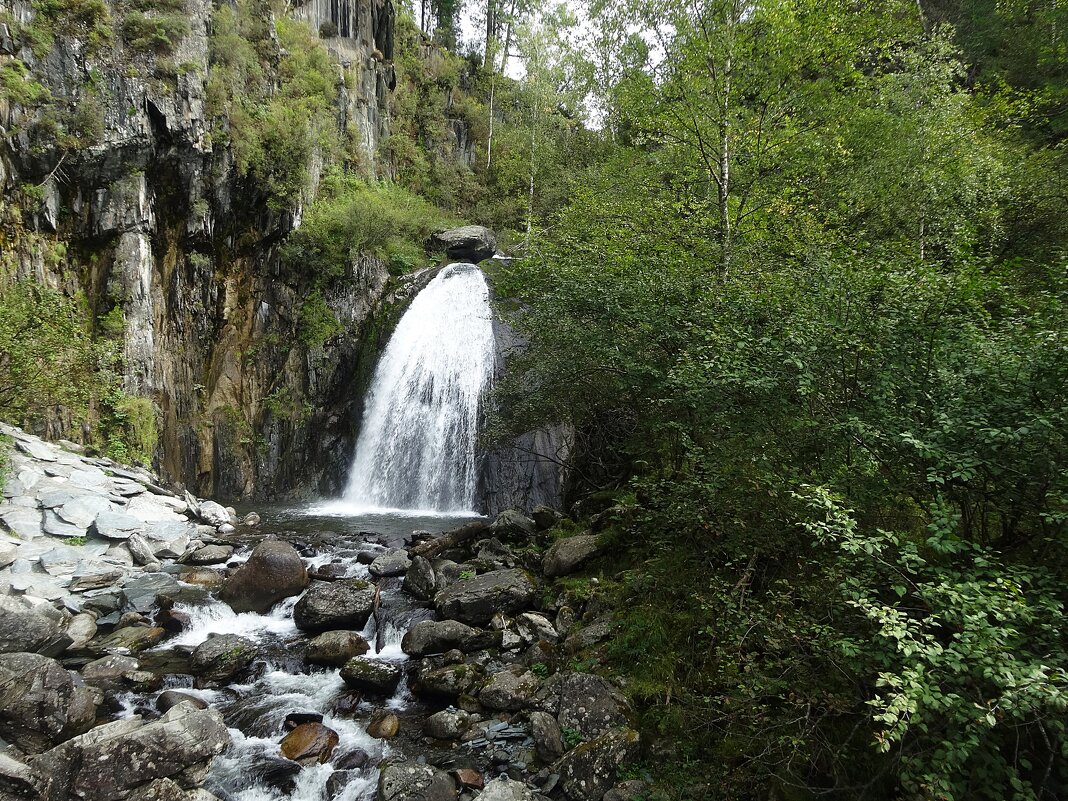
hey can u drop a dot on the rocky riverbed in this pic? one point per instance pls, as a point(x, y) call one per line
point(155, 646)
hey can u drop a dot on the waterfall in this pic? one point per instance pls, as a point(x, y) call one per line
point(417, 447)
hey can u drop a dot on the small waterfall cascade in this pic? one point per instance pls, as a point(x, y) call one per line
point(417, 447)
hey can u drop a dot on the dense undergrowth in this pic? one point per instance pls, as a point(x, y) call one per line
point(821, 372)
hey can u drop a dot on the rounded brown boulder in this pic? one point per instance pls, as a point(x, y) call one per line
point(310, 743)
point(273, 572)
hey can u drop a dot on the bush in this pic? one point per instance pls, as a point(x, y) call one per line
point(18, 87)
point(318, 322)
point(352, 217)
point(154, 33)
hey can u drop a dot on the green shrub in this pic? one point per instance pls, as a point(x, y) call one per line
point(154, 33)
point(318, 322)
point(352, 217)
point(18, 87)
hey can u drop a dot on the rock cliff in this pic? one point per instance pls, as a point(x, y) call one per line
point(119, 185)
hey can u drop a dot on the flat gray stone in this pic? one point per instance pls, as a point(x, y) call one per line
point(83, 511)
point(52, 497)
point(56, 527)
point(37, 449)
point(116, 525)
point(61, 560)
point(24, 523)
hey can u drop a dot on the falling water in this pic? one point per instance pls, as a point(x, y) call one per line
point(417, 447)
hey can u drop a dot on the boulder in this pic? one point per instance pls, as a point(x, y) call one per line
point(384, 725)
point(128, 640)
point(370, 675)
point(567, 555)
point(513, 525)
point(114, 760)
point(18, 780)
point(168, 699)
point(470, 243)
point(81, 629)
point(476, 600)
point(545, 517)
point(210, 555)
point(510, 690)
point(439, 636)
point(310, 744)
point(505, 789)
point(410, 781)
point(202, 576)
point(24, 629)
point(450, 681)
point(335, 648)
point(627, 791)
point(533, 627)
point(212, 513)
point(449, 724)
point(548, 737)
point(590, 770)
point(274, 571)
point(141, 593)
point(590, 705)
point(468, 777)
point(335, 605)
point(392, 563)
point(41, 705)
point(420, 579)
point(116, 525)
point(220, 658)
point(109, 673)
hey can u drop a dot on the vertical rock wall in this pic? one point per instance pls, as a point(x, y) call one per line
point(153, 218)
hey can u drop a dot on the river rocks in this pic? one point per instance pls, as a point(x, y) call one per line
point(513, 525)
point(128, 640)
point(533, 627)
point(120, 526)
point(212, 513)
point(25, 629)
point(585, 703)
point(335, 605)
point(18, 780)
point(545, 517)
point(141, 593)
point(510, 690)
point(589, 771)
point(115, 759)
point(210, 555)
point(202, 576)
point(476, 600)
point(384, 725)
point(41, 705)
point(420, 579)
point(470, 243)
point(435, 637)
point(505, 789)
point(449, 724)
point(567, 555)
point(109, 673)
point(392, 563)
point(274, 571)
point(548, 737)
point(370, 675)
point(450, 681)
point(335, 648)
point(168, 699)
point(410, 781)
point(310, 744)
point(220, 658)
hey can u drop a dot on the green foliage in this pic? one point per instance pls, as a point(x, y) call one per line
point(47, 357)
point(154, 33)
point(274, 130)
point(75, 541)
point(133, 428)
point(831, 379)
point(318, 322)
point(351, 217)
point(16, 85)
point(87, 19)
point(6, 443)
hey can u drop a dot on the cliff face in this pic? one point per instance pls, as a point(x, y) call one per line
point(115, 185)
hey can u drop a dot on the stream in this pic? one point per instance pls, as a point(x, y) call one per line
point(281, 683)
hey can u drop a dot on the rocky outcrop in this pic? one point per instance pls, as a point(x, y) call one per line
point(476, 600)
point(41, 705)
point(471, 243)
point(590, 770)
point(567, 555)
point(340, 604)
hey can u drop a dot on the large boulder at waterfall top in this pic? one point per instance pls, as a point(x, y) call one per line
point(274, 571)
point(471, 243)
point(476, 600)
point(114, 760)
point(566, 555)
point(220, 658)
point(41, 705)
point(335, 605)
point(410, 781)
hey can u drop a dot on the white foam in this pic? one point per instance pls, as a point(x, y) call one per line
point(218, 618)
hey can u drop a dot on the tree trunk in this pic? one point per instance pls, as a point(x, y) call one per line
point(489, 60)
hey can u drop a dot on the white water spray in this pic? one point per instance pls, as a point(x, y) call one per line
point(417, 448)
